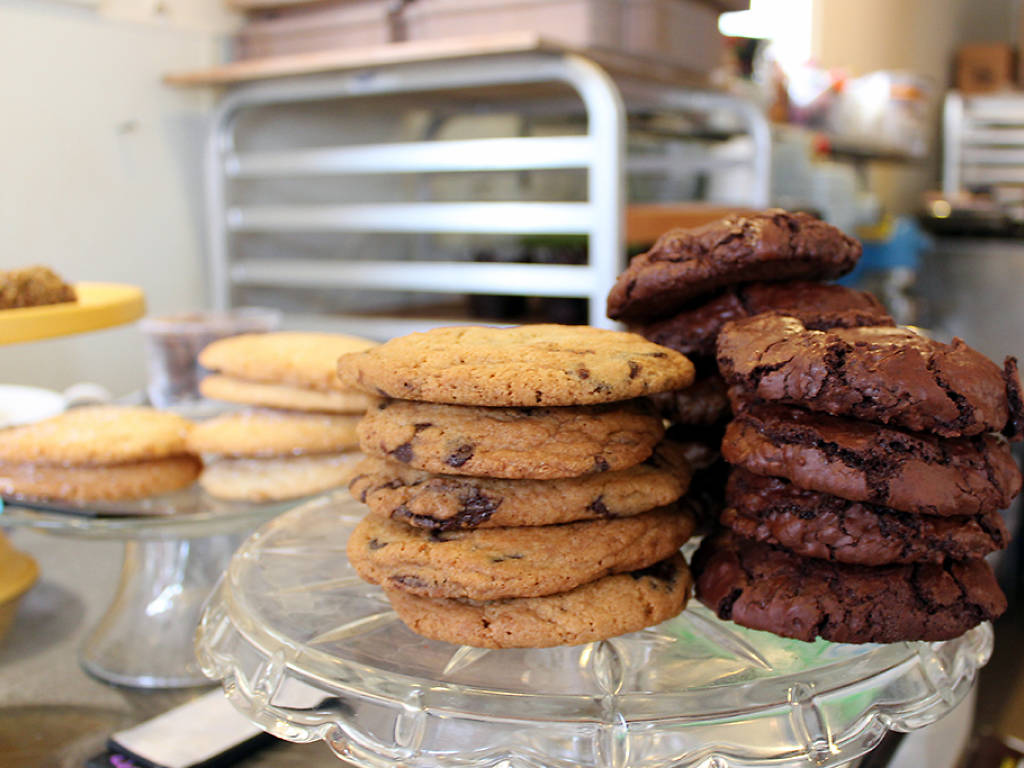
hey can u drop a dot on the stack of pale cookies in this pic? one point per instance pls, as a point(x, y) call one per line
point(520, 491)
point(98, 453)
point(297, 434)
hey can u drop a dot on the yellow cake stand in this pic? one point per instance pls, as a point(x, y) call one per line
point(18, 572)
point(99, 305)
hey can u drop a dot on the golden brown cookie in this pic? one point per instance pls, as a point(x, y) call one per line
point(284, 357)
point(33, 287)
point(274, 433)
point(231, 390)
point(276, 479)
point(113, 482)
point(529, 365)
point(533, 443)
point(495, 563)
point(607, 607)
point(454, 502)
point(95, 435)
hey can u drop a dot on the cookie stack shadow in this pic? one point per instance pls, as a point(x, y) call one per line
point(519, 488)
point(296, 432)
point(870, 467)
point(682, 291)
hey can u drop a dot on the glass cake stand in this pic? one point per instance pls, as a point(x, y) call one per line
point(308, 651)
point(176, 547)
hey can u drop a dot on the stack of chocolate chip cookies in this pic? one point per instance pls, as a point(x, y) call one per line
point(692, 281)
point(870, 467)
point(520, 491)
point(297, 435)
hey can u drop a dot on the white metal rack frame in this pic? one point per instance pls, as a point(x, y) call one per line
point(983, 141)
point(599, 151)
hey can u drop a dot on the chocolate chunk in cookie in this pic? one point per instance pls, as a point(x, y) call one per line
point(762, 587)
point(608, 607)
point(854, 460)
point(530, 365)
point(887, 375)
point(495, 563)
point(818, 305)
point(524, 443)
point(774, 511)
point(687, 263)
point(454, 502)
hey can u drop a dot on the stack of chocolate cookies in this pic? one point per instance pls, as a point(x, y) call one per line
point(520, 491)
point(870, 468)
point(684, 289)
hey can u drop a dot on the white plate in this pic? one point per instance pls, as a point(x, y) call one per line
point(21, 405)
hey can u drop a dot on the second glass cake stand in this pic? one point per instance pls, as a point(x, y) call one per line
point(176, 547)
point(308, 651)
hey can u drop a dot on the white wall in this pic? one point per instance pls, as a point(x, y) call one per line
point(100, 164)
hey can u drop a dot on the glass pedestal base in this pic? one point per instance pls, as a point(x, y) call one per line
point(145, 639)
point(176, 547)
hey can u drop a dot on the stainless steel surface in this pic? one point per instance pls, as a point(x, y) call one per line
point(971, 289)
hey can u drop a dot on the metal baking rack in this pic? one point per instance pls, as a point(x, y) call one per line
point(527, 75)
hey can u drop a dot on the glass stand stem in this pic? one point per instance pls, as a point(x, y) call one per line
point(145, 639)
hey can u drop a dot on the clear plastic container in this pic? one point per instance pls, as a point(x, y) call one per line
point(173, 344)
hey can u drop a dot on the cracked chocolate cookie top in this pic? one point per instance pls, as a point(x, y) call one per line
point(529, 365)
point(456, 502)
point(858, 461)
point(762, 587)
point(686, 263)
point(774, 511)
point(496, 563)
point(531, 443)
point(819, 305)
point(888, 375)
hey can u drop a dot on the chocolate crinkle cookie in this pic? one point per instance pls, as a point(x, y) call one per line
point(821, 306)
point(763, 587)
point(888, 375)
point(774, 511)
point(858, 461)
point(771, 245)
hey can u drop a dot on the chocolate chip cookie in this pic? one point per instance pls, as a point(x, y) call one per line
point(888, 375)
point(495, 563)
point(525, 443)
point(762, 587)
point(812, 524)
point(607, 607)
point(768, 246)
point(530, 365)
point(818, 305)
point(857, 461)
point(455, 502)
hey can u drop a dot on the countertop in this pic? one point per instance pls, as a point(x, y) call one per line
point(52, 714)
